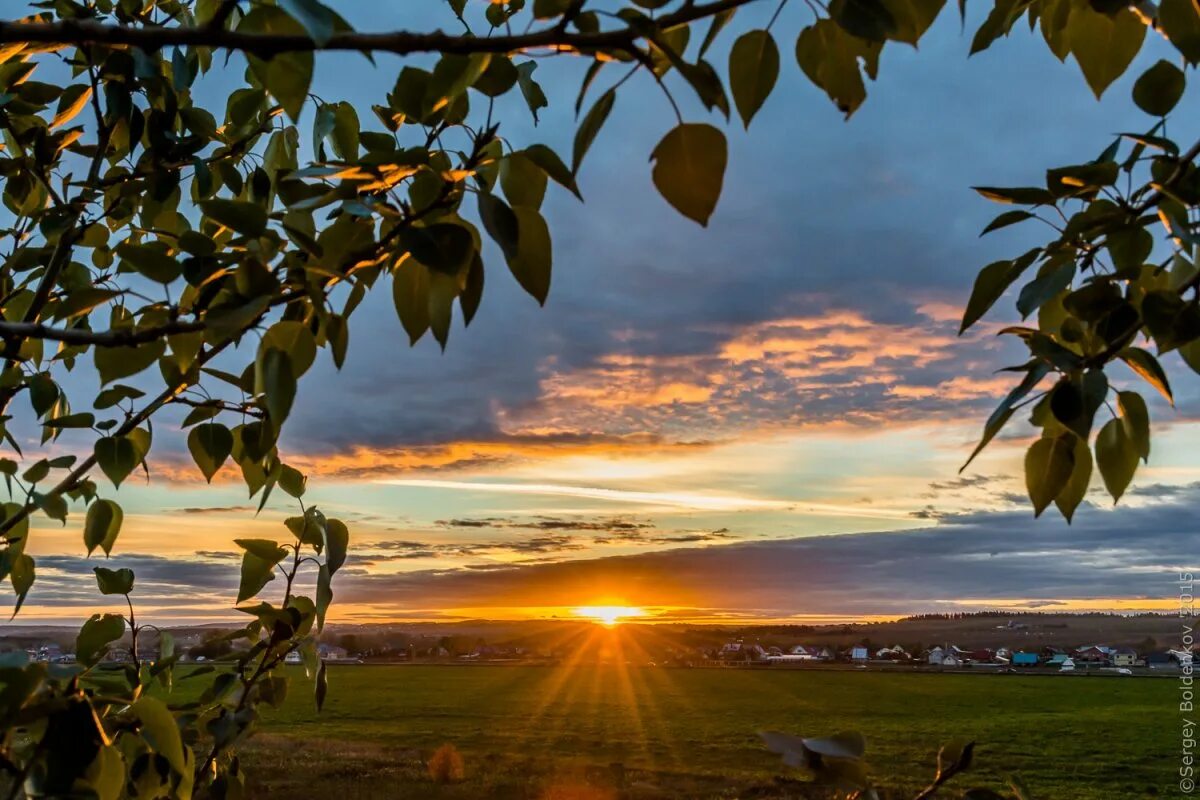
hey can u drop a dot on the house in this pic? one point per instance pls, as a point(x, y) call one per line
point(330, 652)
point(981, 656)
point(894, 653)
point(1159, 661)
point(950, 659)
point(1124, 657)
point(935, 656)
point(1024, 659)
point(1092, 654)
point(48, 653)
point(858, 653)
point(1058, 659)
point(1067, 665)
point(802, 653)
point(740, 651)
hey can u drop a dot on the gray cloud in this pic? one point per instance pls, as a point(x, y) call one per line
point(983, 559)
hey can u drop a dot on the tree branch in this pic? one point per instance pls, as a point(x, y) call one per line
point(112, 338)
point(151, 37)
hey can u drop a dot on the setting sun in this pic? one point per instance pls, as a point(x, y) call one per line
point(608, 615)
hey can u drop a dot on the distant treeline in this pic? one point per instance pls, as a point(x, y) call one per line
point(1032, 614)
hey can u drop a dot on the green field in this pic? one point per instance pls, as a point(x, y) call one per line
point(553, 732)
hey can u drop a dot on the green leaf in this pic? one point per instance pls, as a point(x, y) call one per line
point(1053, 277)
point(867, 19)
point(1159, 88)
point(285, 75)
point(114, 581)
point(82, 420)
point(553, 166)
point(991, 282)
point(753, 70)
point(93, 639)
point(337, 540)
point(1006, 219)
point(210, 445)
point(275, 379)
point(102, 525)
point(324, 594)
point(151, 261)
point(1004, 411)
point(410, 294)
point(1076, 488)
point(161, 732)
point(998, 23)
point(1147, 366)
point(913, 18)
point(1055, 15)
point(1180, 21)
point(498, 78)
point(117, 457)
point(1116, 456)
point(1136, 418)
point(107, 774)
point(1021, 195)
point(121, 362)
point(444, 247)
point(500, 222)
point(831, 57)
point(1104, 45)
point(115, 394)
point(22, 574)
point(318, 20)
point(472, 292)
point(689, 168)
point(523, 181)
point(295, 339)
point(531, 90)
point(256, 573)
point(345, 132)
point(592, 122)
point(1049, 463)
point(534, 258)
point(292, 481)
point(248, 219)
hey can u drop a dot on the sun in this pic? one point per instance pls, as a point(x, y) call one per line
point(608, 615)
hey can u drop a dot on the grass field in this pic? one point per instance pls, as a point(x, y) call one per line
point(552, 732)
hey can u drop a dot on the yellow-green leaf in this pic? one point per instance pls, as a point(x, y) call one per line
point(1116, 456)
point(689, 168)
point(1104, 45)
point(1049, 463)
point(753, 70)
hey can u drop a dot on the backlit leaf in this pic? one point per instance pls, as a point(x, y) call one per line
point(753, 70)
point(102, 525)
point(1049, 463)
point(689, 168)
point(1116, 456)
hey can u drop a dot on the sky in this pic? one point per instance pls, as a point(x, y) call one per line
point(763, 419)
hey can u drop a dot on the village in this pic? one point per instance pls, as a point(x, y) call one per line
point(644, 646)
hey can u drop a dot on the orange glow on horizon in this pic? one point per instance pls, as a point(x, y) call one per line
point(608, 615)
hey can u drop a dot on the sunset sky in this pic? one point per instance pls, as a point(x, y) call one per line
point(763, 419)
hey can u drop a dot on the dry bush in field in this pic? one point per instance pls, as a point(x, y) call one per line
point(446, 765)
